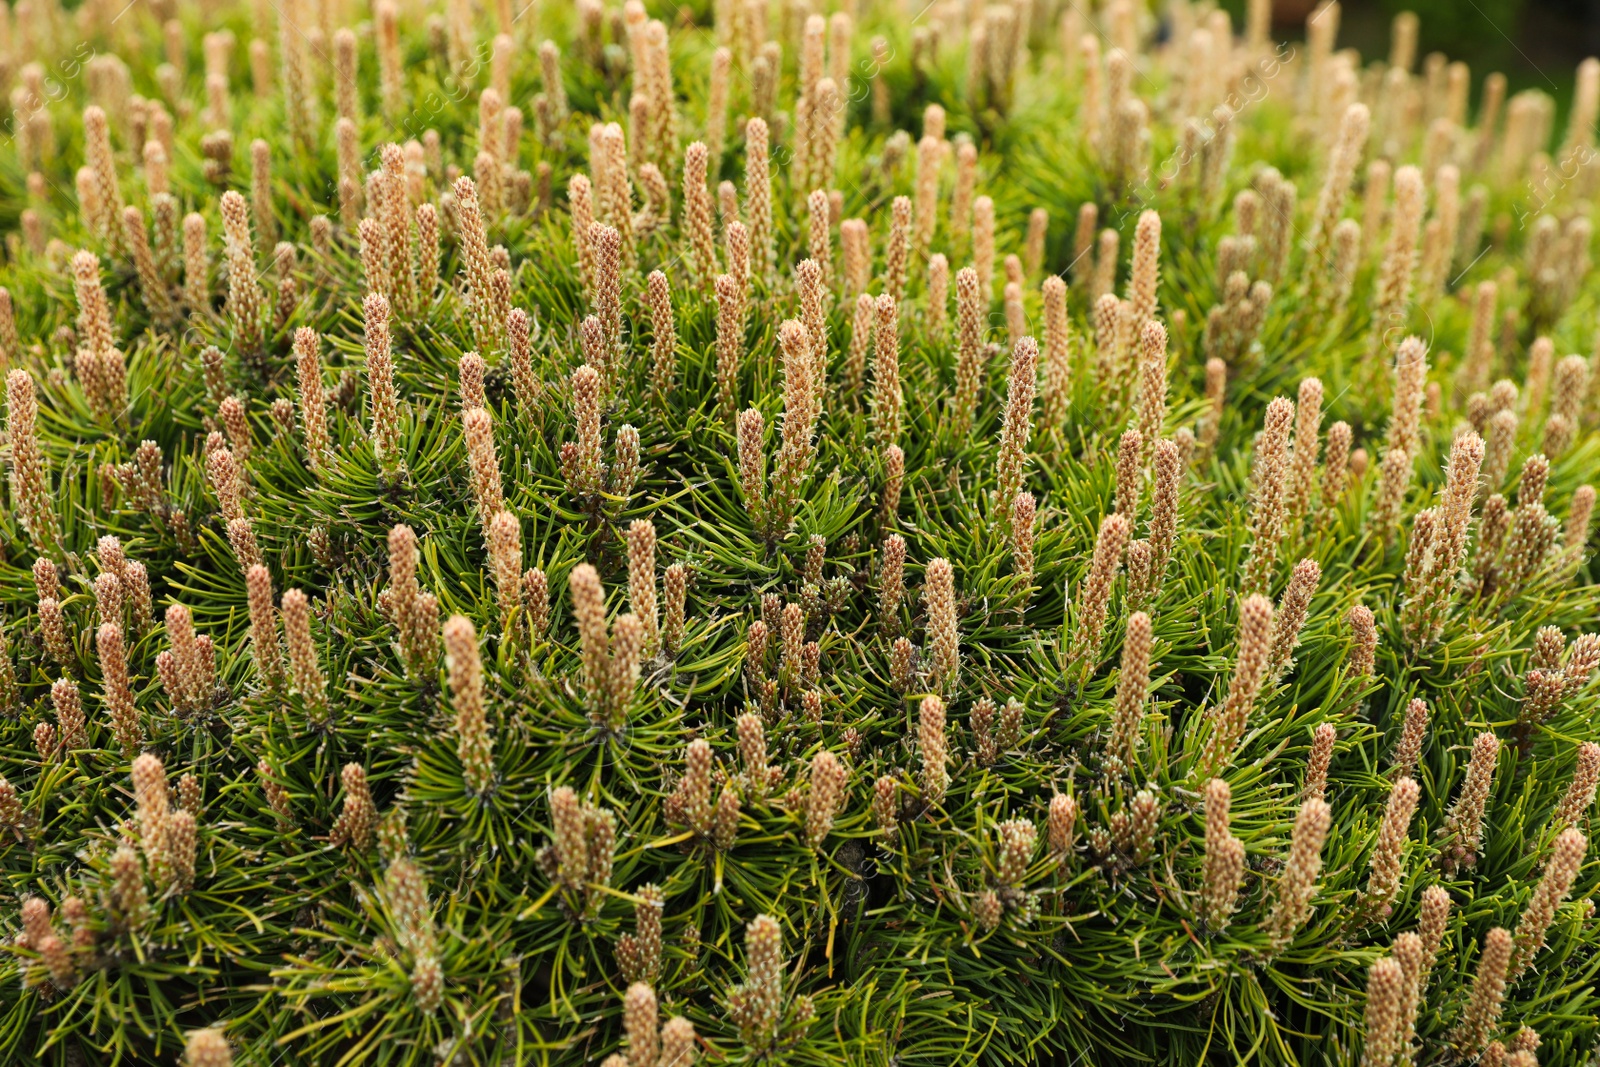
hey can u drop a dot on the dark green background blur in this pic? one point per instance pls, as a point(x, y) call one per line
point(1537, 44)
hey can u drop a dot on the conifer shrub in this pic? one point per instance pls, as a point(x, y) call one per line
point(765, 533)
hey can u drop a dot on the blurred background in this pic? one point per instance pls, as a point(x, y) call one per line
point(1537, 44)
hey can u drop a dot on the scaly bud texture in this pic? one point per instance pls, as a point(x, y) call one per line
point(757, 1005)
point(30, 478)
point(1388, 853)
point(473, 744)
point(1484, 1003)
point(1133, 683)
point(1561, 870)
point(939, 594)
point(304, 667)
point(1431, 585)
point(1094, 594)
point(1224, 858)
point(1016, 426)
point(1268, 500)
point(1291, 897)
point(1250, 666)
point(423, 436)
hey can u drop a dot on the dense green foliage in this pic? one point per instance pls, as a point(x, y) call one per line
point(292, 937)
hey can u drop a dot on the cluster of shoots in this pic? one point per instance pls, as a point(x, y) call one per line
point(524, 529)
